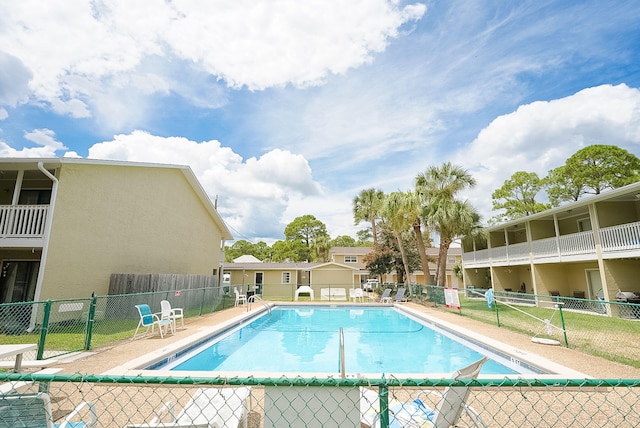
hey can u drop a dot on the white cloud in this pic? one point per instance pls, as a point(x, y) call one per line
point(540, 136)
point(264, 44)
point(253, 194)
point(13, 81)
point(44, 138)
point(82, 57)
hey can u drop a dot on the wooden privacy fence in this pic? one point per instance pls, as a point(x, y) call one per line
point(131, 283)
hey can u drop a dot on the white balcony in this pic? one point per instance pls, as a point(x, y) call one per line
point(616, 241)
point(623, 237)
point(22, 225)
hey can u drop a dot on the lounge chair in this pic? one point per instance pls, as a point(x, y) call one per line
point(208, 407)
point(172, 314)
point(385, 297)
point(149, 320)
point(240, 298)
point(400, 295)
point(34, 410)
point(449, 408)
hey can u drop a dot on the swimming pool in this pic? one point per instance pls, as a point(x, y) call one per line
point(305, 339)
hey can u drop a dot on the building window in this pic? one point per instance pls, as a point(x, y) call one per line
point(35, 197)
point(584, 224)
point(286, 277)
point(351, 259)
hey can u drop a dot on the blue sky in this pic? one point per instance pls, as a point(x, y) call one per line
point(290, 108)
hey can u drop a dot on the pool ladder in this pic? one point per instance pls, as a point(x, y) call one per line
point(259, 299)
point(341, 354)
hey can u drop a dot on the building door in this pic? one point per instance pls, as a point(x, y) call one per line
point(258, 280)
point(594, 283)
point(18, 280)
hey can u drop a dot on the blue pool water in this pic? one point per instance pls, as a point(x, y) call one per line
point(306, 340)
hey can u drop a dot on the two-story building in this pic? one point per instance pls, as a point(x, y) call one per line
point(586, 249)
point(67, 224)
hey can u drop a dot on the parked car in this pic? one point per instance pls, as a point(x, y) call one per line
point(370, 285)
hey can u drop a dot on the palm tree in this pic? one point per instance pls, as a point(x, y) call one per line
point(366, 207)
point(394, 212)
point(321, 246)
point(438, 186)
point(451, 220)
point(413, 208)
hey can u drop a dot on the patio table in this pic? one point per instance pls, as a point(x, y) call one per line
point(17, 350)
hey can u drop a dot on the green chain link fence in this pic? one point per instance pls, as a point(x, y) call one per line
point(580, 324)
point(318, 402)
point(64, 326)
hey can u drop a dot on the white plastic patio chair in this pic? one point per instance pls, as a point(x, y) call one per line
point(210, 407)
point(240, 298)
point(172, 314)
point(34, 410)
point(451, 404)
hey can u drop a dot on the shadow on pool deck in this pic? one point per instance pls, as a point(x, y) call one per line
point(100, 360)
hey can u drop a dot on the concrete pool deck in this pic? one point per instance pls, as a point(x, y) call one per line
point(106, 359)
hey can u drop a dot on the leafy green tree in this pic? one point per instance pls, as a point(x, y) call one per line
point(449, 217)
point(388, 239)
point(517, 196)
point(344, 241)
point(591, 170)
point(380, 261)
point(287, 251)
point(364, 237)
point(561, 187)
point(305, 229)
point(260, 250)
point(366, 207)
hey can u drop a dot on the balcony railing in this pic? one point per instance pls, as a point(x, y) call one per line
point(23, 221)
point(624, 237)
point(621, 237)
point(577, 243)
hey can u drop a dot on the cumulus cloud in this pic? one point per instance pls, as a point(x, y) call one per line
point(44, 138)
point(540, 136)
point(253, 193)
point(264, 44)
point(13, 82)
point(81, 57)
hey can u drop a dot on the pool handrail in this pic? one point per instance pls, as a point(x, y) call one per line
point(259, 299)
point(343, 374)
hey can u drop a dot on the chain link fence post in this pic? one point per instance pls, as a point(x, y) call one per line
point(204, 295)
point(564, 329)
point(44, 329)
point(90, 322)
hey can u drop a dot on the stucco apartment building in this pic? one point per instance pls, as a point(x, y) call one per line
point(586, 249)
point(354, 256)
point(67, 224)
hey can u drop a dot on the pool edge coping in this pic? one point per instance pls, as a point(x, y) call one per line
point(132, 367)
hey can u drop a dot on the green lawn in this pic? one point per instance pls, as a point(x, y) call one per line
point(613, 338)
